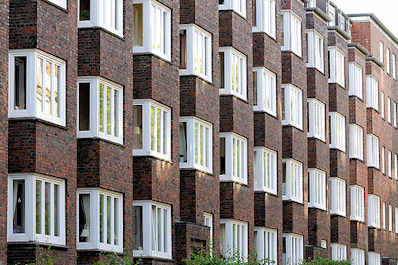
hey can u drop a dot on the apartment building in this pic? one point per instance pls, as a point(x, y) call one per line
point(154, 128)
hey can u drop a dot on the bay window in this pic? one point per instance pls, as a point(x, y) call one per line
point(265, 170)
point(337, 131)
point(316, 119)
point(100, 109)
point(99, 220)
point(265, 17)
point(234, 238)
point(388, 110)
point(357, 197)
point(339, 252)
point(356, 142)
point(264, 90)
point(234, 69)
point(37, 85)
point(317, 189)
point(357, 256)
point(266, 244)
point(315, 46)
point(336, 66)
point(372, 94)
point(36, 209)
point(332, 15)
point(383, 160)
point(105, 14)
point(394, 113)
point(196, 52)
point(338, 193)
point(381, 52)
point(389, 160)
point(292, 32)
point(382, 112)
point(292, 112)
point(384, 213)
point(394, 67)
point(152, 28)
point(151, 129)
point(238, 6)
point(235, 158)
point(208, 221)
point(388, 61)
point(373, 211)
point(196, 144)
point(374, 258)
point(292, 251)
point(292, 186)
point(152, 229)
point(372, 146)
point(355, 80)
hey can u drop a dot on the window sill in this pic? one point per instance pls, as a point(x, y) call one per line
point(224, 178)
point(91, 247)
point(233, 11)
point(288, 124)
point(316, 138)
point(118, 35)
point(318, 207)
point(187, 73)
point(227, 92)
point(338, 214)
point(286, 199)
point(263, 110)
point(37, 243)
point(111, 140)
point(140, 254)
point(137, 51)
point(186, 166)
point(265, 190)
point(337, 148)
point(357, 220)
point(59, 125)
point(322, 72)
point(256, 30)
point(288, 50)
point(64, 9)
point(143, 153)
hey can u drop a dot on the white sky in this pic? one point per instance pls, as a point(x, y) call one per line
point(385, 10)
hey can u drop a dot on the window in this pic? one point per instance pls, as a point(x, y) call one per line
point(389, 158)
point(266, 244)
point(292, 186)
point(105, 14)
point(36, 86)
point(317, 189)
point(292, 113)
point(235, 159)
point(336, 66)
point(196, 144)
point(264, 91)
point(388, 110)
point(338, 193)
point(357, 196)
point(339, 252)
point(208, 221)
point(316, 119)
point(382, 105)
point(381, 52)
point(342, 22)
point(311, 4)
point(357, 256)
point(235, 73)
point(292, 32)
point(374, 258)
point(355, 80)
point(390, 218)
point(100, 220)
point(394, 67)
point(373, 211)
point(395, 166)
point(197, 57)
point(36, 209)
point(152, 229)
point(152, 28)
point(394, 113)
point(383, 160)
point(337, 131)
point(265, 17)
point(292, 252)
point(372, 145)
point(388, 61)
point(265, 170)
point(315, 50)
point(233, 238)
point(151, 129)
point(356, 142)
point(396, 221)
point(332, 15)
point(384, 209)
point(239, 6)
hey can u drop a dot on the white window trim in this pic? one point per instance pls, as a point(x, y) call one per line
point(316, 121)
point(381, 52)
point(356, 142)
point(228, 250)
point(266, 91)
point(339, 195)
point(357, 256)
point(389, 161)
point(190, 121)
point(337, 73)
point(60, 3)
point(208, 221)
point(238, 6)
point(357, 200)
point(389, 110)
point(337, 129)
point(94, 243)
point(293, 256)
point(372, 94)
point(317, 189)
point(374, 211)
point(382, 110)
point(339, 252)
point(147, 48)
point(289, 186)
point(31, 68)
point(191, 46)
point(355, 80)
point(383, 160)
point(290, 118)
point(147, 251)
point(396, 221)
point(315, 59)
point(259, 170)
point(384, 210)
point(396, 169)
point(30, 211)
point(374, 258)
point(394, 113)
point(263, 252)
point(388, 67)
point(372, 146)
point(266, 17)
point(332, 15)
point(390, 218)
point(394, 67)
point(288, 26)
point(146, 129)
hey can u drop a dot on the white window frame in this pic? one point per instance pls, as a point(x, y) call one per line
point(265, 168)
point(394, 67)
point(292, 190)
point(382, 111)
point(394, 114)
point(388, 60)
point(372, 146)
point(396, 168)
point(356, 142)
point(294, 249)
point(390, 218)
point(339, 252)
point(383, 160)
point(292, 27)
point(94, 242)
point(337, 131)
point(388, 110)
point(30, 210)
point(293, 97)
point(339, 195)
point(266, 17)
point(147, 251)
point(95, 130)
point(238, 6)
point(146, 150)
point(235, 238)
point(208, 221)
point(357, 256)
point(316, 53)
point(205, 143)
point(266, 91)
point(381, 52)
point(384, 210)
point(266, 244)
point(336, 66)
point(355, 80)
point(374, 211)
point(61, 3)
point(374, 258)
point(332, 15)
point(316, 119)
point(357, 200)
point(150, 36)
point(396, 221)
point(239, 163)
point(113, 22)
point(199, 52)
point(235, 69)
point(32, 107)
point(317, 189)
point(389, 160)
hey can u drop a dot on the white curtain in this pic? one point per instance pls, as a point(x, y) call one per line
point(86, 210)
point(15, 194)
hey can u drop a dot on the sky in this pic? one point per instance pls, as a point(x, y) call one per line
point(385, 10)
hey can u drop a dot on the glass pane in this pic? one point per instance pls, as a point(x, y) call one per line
point(138, 25)
point(108, 219)
point(137, 127)
point(222, 156)
point(165, 222)
point(116, 113)
point(154, 228)
point(19, 206)
point(47, 84)
point(158, 130)
point(56, 210)
point(84, 106)
point(101, 107)
point(159, 221)
point(116, 221)
point(56, 91)
point(47, 210)
point(196, 143)
point(222, 71)
point(38, 207)
point(84, 11)
point(84, 217)
point(183, 49)
point(101, 218)
point(138, 229)
point(108, 111)
point(20, 83)
point(254, 88)
point(153, 140)
point(39, 85)
point(164, 121)
point(183, 142)
point(201, 140)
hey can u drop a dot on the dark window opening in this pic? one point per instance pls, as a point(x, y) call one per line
point(20, 83)
point(84, 106)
